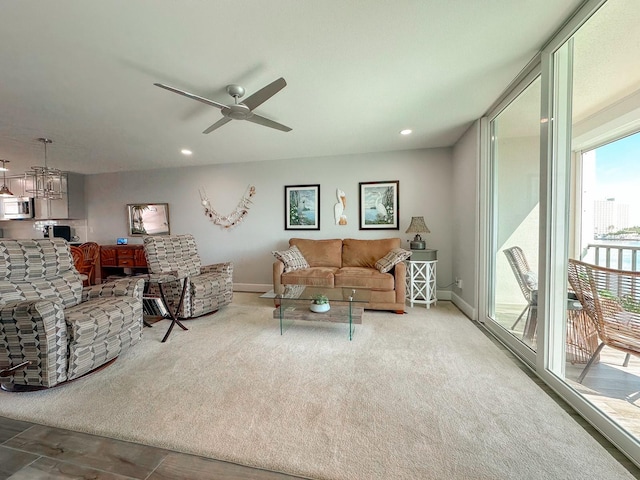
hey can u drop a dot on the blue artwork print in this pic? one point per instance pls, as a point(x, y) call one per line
point(302, 207)
point(379, 206)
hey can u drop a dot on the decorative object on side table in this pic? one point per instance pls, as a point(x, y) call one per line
point(320, 304)
point(417, 226)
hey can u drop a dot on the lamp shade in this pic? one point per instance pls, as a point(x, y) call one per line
point(417, 226)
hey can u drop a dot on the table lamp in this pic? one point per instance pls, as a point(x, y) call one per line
point(417, 226)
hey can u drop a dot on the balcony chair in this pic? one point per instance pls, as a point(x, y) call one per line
point(208, 287)
point(611, 298)
point(528, 283)
point(52, 329)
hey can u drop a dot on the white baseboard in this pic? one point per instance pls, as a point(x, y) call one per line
point(444, 294)
point(252, 287)
point(464, 307)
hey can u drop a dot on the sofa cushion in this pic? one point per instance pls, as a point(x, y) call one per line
point(320, 253)
point(365, 253)
point(364, 277)
point(322, 276)
point(392, 258)
point(292, 259)
point(386, 298)
point(99, 330)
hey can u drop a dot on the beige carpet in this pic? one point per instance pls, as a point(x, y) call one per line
point(418, 396)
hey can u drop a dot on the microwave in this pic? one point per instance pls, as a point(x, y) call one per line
point(17, 208)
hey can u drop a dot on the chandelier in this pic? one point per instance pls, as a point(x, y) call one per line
point(4, 191)
point(45, 182)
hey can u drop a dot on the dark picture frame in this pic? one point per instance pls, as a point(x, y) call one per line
point(379, 205)
point(302, 207)
point(148, 219)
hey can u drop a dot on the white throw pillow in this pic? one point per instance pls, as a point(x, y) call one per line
point(292, 259)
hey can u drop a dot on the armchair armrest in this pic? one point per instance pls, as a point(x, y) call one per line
point(47, 314)
point(167, 277)
point(31, 332)
point(130, 286)
point(225, 268)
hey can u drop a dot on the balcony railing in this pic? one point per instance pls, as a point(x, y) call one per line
point(620, 257)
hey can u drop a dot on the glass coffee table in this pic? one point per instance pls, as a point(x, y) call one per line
point(346, 305)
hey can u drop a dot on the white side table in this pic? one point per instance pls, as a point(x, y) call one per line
point(421, 277)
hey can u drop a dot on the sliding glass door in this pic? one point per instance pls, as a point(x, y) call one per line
point(514, 210)
point(538, 198)
point(596, 108)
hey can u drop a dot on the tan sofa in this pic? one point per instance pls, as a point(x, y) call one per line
point(348, 263)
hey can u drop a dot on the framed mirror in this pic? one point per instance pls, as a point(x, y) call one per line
point(148, 219)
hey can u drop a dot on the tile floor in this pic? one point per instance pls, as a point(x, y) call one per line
point(33, 452)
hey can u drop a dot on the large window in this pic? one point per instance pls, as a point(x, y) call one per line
point(572, 129)
point(515, 160)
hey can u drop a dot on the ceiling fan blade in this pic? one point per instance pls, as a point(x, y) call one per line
point(264, 94)
point(218, 124)
point(191, 95)
point(268, 123)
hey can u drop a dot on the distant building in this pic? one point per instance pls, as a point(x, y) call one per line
point(609, 216)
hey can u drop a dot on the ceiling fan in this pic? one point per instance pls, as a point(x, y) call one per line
point(242, 110)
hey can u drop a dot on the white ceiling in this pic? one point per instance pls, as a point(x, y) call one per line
point(606, 51)
point(81, 72)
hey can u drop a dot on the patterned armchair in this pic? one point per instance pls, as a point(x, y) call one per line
point(48, 320)
point(209, 287)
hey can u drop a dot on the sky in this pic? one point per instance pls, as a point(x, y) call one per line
point(618, 173)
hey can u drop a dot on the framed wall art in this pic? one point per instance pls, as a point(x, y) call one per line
point(148, 219)
point(302, 207)
point(379, 206)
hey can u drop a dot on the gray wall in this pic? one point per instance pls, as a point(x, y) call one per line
point(425, 189)
point(464, 223)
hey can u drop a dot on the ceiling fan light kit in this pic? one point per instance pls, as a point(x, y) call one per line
point(239, 110)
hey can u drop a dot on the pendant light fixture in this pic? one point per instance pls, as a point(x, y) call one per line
point(46, 182)
point(4, 191)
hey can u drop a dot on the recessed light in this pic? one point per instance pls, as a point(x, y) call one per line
point(186, 151)
point(406, 131)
